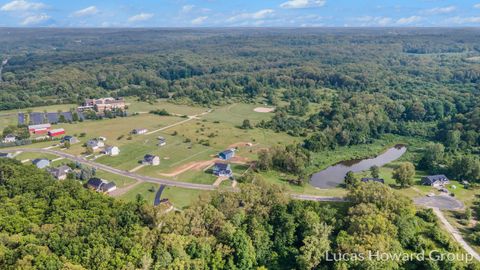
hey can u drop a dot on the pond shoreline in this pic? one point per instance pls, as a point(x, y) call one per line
point(333, 175)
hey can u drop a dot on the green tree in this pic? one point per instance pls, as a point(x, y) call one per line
point(246, 124)
point(404, 174)
point(351, 180)
point(375, 171)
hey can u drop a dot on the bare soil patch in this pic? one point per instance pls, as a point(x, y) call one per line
point(264, 110)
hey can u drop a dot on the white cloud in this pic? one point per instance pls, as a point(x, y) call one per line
point(409, 20)
point(476, 5)
point(35, 19)
point(374, 21)
point(463, 20)
point(187, 8)
point(303, 3)
point(261, 14)
point(22, 5)
point(199, 20)
point(140, 17)
point(86, 12)
point(440, 10)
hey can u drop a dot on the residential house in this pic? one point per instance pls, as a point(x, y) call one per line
point(101, 185)
point(435, 180)
point(151, 160)
point(162, 141)
point(6, 155)
point(10, 138)
point(139, 131)
point(41, 163)
point(56, 132)
point(70, 139)
point(112, 151)
point(61, 172)
point(227, 154)
point(95, 144)
point(368, 179)
point(222, 169)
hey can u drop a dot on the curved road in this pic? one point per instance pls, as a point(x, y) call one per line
point(114, 170)
point(161, 181)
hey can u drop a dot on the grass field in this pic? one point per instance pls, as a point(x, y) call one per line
point(146, 190)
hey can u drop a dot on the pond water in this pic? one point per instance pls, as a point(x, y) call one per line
point(334, 175)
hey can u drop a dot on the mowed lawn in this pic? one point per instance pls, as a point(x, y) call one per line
point(139, 106)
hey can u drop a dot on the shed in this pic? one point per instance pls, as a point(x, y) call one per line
point(227, 154)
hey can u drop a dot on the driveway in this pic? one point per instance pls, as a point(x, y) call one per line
point(444, 202)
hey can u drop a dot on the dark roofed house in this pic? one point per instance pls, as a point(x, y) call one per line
point(227, 154)
point(370, 179)
point(151, 160)
point(70, 139)
point(41, 163)
point(435, 180)
point(101, 185)
point(6, 155)
point(222, 169)
point(95, 183)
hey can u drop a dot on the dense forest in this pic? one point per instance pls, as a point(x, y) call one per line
point(49, 224)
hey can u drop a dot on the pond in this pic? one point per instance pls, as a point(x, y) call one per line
point(334, 175)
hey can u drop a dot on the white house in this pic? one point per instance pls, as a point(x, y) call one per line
point(151, 160)
point(9, 139)
point(95, 144)
point(112, 151)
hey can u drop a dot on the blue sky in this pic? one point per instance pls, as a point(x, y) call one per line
point(235, 13)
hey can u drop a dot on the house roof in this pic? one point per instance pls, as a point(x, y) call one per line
point(109, 148)
point(435, 178)
point(38, 160)
point(10, 136)
point(222, 166)
point(60, 171)
point(109, 185)
point(226, 152)
point(149, 157)
point(6, 154)
point(95, 182)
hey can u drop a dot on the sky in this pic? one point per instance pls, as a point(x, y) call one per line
point(239, 13)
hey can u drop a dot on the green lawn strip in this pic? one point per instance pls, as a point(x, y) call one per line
point(119, 180)
point(146, 190)
point(281, 179)
point(181, 197)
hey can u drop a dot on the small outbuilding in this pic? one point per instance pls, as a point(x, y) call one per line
point(227, 154)
point(151, 160)
point(222, 169)
point(162, 141)
point(435, 180)
point(41, 163)
point(139, 131)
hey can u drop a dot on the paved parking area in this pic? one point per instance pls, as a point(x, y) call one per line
point(444, 202)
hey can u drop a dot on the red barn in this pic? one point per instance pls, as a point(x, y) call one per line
point(56, 132)
point(39, 129)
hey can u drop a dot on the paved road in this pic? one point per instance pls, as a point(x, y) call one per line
point(305, 197)
point(161, 181)
point(114, 170)
point(456, 234)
